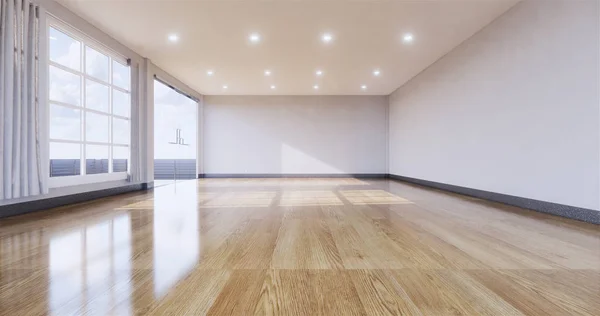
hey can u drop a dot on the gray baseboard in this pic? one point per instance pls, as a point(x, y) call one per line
point(295, 175)
point(56, 201)
point(572, 212)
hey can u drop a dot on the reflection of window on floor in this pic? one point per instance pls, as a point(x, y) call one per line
point(89, 106)
point(176, 244)
point(308, 198)
point(91, 267)
point(363, 197)
point(20, 253)
point(242, 199)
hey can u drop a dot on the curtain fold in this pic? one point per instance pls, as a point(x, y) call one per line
point(21, 108)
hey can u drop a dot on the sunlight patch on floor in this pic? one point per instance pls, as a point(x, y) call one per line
point(242, 199)
point(366, 197)
point(309, 198)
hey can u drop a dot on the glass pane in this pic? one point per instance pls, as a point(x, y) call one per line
point(96, 96)
point(121, 75)
point(96, 64)
point(120, 131)
point(96, 128)
point(65, 123)
point(96, 159)
point(175, 120)
point(64, 86)
point(64, 159)
point(64, 50)
point(120, 158)
point(121, 103)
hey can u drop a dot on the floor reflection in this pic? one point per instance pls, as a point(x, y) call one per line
point(90, 269)
point(176, 234)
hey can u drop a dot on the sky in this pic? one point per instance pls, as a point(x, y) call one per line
point(66, 87)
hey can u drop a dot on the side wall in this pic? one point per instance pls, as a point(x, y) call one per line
point(295, 135)
point(512, 110)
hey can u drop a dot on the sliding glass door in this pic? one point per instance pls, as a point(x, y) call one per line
point(175, 130)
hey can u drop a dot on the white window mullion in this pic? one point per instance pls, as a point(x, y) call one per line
point(66, 141)
point(64, 68)
point(121, 89)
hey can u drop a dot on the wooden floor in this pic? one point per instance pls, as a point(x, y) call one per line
point(297, 247)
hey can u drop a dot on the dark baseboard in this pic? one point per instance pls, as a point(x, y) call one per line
point(148, 185)
point(294, 175)
point(56, 201)
point(572, 212)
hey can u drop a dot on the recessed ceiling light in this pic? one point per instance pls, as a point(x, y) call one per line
point(408, 38)
point(225, 87)
point(326, 38)
point(364, 87)
point(273, 87)
point(254, 38)
point(173, 38)
point(210, 72)
point(319, 73)
point(376, 72)
point(316, 87)
point(267, 72)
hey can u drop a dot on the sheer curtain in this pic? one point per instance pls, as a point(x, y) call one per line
point(23, 155)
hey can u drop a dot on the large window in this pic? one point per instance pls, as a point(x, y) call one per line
point(89, 100)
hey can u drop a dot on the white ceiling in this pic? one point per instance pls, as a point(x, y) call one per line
point(367, 35)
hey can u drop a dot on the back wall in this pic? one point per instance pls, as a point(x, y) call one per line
point(295, 134)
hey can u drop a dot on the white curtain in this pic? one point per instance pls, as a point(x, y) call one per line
point(22, 109)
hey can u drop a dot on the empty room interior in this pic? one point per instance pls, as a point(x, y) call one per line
point(423, 157)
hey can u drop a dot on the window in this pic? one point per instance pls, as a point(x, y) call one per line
point(89, 109)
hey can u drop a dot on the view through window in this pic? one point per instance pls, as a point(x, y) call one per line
point(175, 134)
point(89, 100)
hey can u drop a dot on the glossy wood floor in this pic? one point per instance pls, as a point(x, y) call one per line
point(297, 247)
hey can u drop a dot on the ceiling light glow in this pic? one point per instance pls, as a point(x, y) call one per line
point(273, 87)
point(254, 38)
point(408, 38)
point(326, 38)
point(364, 87)
point(210, 72)
point(267, 72)
point(319, 73)
point(316, 87)
point(173, 38)
point(376, 72)
point(225, 87)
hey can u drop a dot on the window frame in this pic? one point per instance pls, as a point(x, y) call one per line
point(84, 77)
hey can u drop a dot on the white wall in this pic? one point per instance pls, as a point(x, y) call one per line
point(513, 110)
point(295, 134)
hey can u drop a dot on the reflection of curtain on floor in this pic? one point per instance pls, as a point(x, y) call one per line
point(23, 152)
